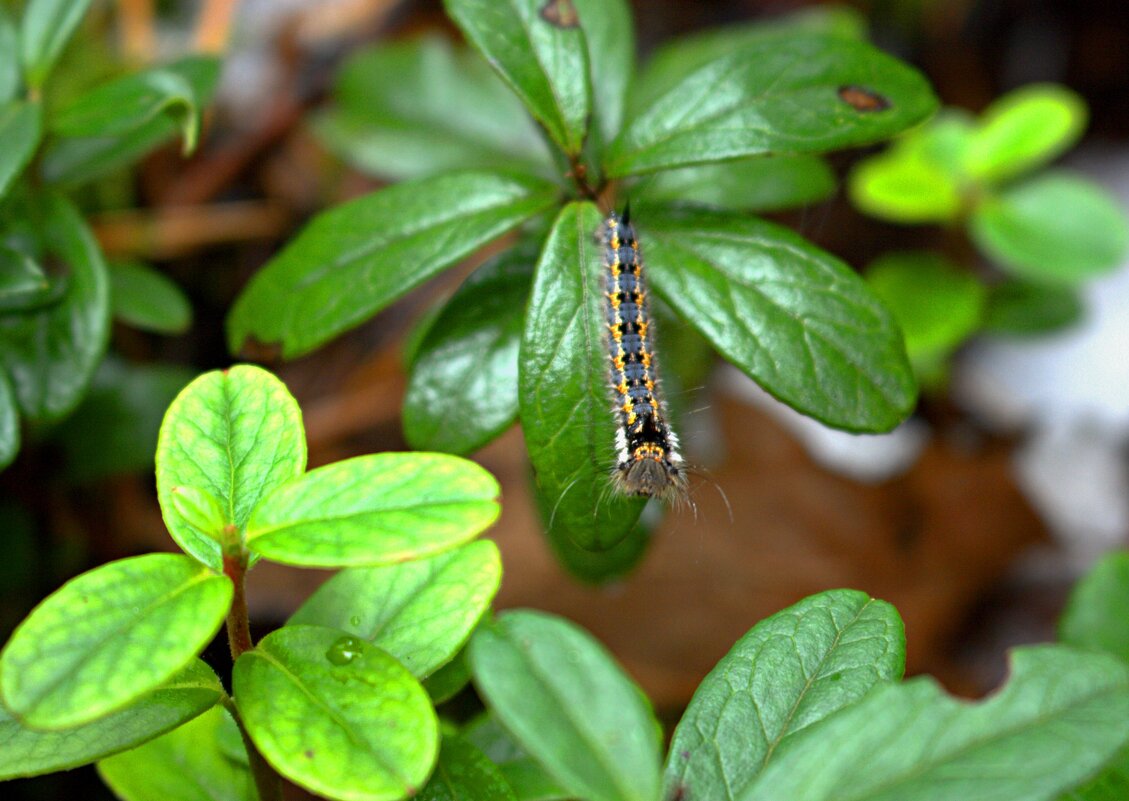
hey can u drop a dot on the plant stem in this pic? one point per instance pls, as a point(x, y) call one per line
point(267, 782)
point(238, 624)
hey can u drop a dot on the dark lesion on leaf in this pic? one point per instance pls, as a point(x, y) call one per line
point(560, 13)
point(862, 99)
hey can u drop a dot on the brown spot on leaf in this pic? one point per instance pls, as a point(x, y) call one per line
point(309, 753)
point(862, 99)
point(561, 13)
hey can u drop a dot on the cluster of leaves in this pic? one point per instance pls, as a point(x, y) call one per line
point(342, 700)
point(1046, 231)
point(714, 127)
point(57, 294)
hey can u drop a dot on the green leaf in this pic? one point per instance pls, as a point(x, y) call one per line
point(1111, 784)
point(464, 774)
point(235, 434)
point(799, 94)
point(130, 102)
point(676, 59)
point(1056, 227)
point(19, 131)
point(147, 299)
point(184, 765)
point(610, 564)
point(9, 423)
point(1097, 614)
point(545, 62)
point(795, 319)
point(421, 611)
point(23, 284)
point(569, 705)
point(407, 109)
point(355, 259)
point(462, 391)
point(51, 354)
point(1025, 129)
point(114, 429)
point(790, 671)
point(10, 77)
point(610, 36)
point(375, 510)
point(1059, 718)
point(1021, 308)
point(449, 680)
point(902, 188)
point(27, 752)
point(336, 715)
point(563, 389)
point(47, 27)
point(756, 184)
point(143, 618)
point(72, 161)
point(937, 305)
point(525, 775)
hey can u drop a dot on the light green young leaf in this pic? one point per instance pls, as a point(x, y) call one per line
point(421, 611)
point(19, 131)
point(336, 715)
point(1097, 614)
point(569, 705)
point(186, 764)
point(524, 774)
point(10, 72)
point(798, 321)
point(563, 393)
point(794, 94)
point(761, 183)
point(465, 774)
point(375, 510)
point(791, 670)
point(46, 29)
point(234, 434)
point(355, 259)
point(9, 423)
point(1057, 227)
point(28, 752)
point(147, 299)
point(108, 637)
point(902, 188)
point(538, 48)
point(1060, 717)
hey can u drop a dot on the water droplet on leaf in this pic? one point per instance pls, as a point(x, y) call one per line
point(344, 650)
point(355, 620)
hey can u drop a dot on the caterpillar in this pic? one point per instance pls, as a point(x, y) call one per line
point(647, 459)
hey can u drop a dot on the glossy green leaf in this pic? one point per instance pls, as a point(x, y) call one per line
point(610, 34)
point(23, 284)
point(1097, 614)
point(904, 189)
point(569, 705)
point(1020, 308)
point(1058, 719)
point(28, 752)
point(539, 50)
point(462, 391)
point(1111, 784)
point(756, 184)
point(114, 429)
point(184, 765)
point(791, 670)
point(10, 71)
point(797, 320)
point(128, 103)
point(51, 354)
point(47, 27)
point(421, 611)
point(19, 131)
point(76, 160)
point(1056, 227)
point(412, 108)
point(525, 775)
point(799, 94)
point(937, 305)
point(465, 774)
point(1025, 129)
point(237, 435)
point(9, 423)
point(336, 715)
point(355, 259)
point(147, 299)
point(564, 396)
point(676, 59)
point(143, 618)
point(375, 510)
point(449, 680)
point(607, 565)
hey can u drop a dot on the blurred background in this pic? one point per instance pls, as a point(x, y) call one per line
point(974, 518)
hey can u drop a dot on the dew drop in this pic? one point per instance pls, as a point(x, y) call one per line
point(355, 620)
point(344, 650)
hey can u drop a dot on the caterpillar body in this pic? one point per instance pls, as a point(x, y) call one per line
point(647, 459)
